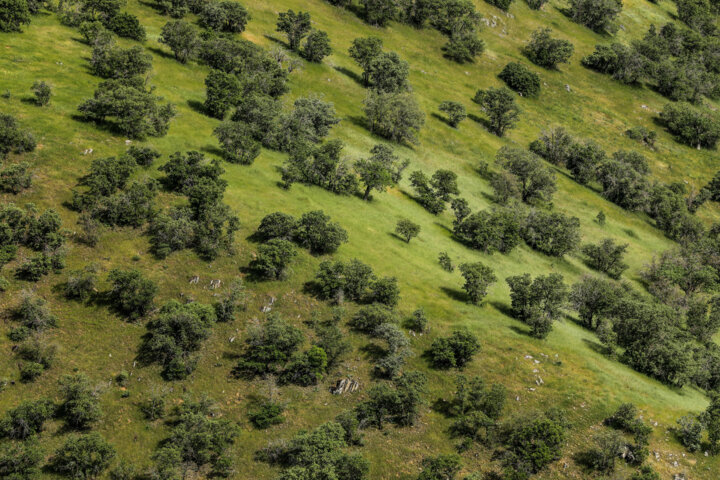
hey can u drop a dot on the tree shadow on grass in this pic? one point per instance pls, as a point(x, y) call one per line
point(103, 125)
point(350, 74)
point(444, 227)
point(197, 107)
point(277, 41)
point(373, 352)
point(484, 122)
point(521, 331)
point(397, 237)
point(442, 118)
point(503, 308)
point(212, 150)
point(455, 294)
point(596, 347)
point(162, 53)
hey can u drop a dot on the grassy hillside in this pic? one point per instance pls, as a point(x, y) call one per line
point(577, 377)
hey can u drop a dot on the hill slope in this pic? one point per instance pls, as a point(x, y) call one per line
point(576, 376)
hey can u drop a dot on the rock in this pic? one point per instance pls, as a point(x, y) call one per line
point(345, 385)
point(567, 87)
point(644, 107)
point(265, 309)
point(194, 280)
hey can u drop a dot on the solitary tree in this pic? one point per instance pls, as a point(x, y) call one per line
point(388, 73)
point(478, 278)
point(407, 229)
point(14, 14)
point(295, 25)
point(499, 104)
point(607, 257)
point(381, 170)
point(534, 180)
point(455, 111)
point(546, 51)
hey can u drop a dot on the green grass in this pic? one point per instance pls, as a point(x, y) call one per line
point(586, 383)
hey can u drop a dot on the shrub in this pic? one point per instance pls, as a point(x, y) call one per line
point(381, 170)
point(501, 4)
point(306, 369)
point(606, 257)
point(445, 262)
point(537, 302)
point(535, 441)
point(499, 229)
point(14, 14)
point(295, 25)
point(478, 278)
point(553, 145)
point(131, 293)
point(455, 111)
point(34, 315)
point(15, 178)
point(143, 156)
point(546, 51)
point(30, 372)
point(384, 290)
point(174, 334)
point(266, 414)
point(26, 419)
point(536, 4)
point(624, 63)
point(12, 138)
point(535, 181)
point(126, 25)
point(418, 321)
point(398, 404)
point(395, 116)
point(83, 456)
point(698, 128)
point(268, 347)
point(316, 232)
point(597, 15)
point(276, 225)
point(153, 408)
point(553, 234)
point(81, 284)
point(370, 317)
point(79, 405)
point(20, 460)
point(454, 351)
point(521, 79)
point(642, 134)
point(689, 431)
point(181, 38)
point(237, 143)
point(42, 92)
point(441, 467)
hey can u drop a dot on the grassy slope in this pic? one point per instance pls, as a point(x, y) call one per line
point(586, 383)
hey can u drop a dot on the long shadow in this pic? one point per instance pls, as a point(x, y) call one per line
point(520, 331)
point(485, 123)
point(373, 352)
point(397, 237)
point(596, 347)
point(443, 226)
point(197, 107)
point(212, 150)
point(352, 75)
point(162, 53)
point(442, 118)
point(30, 101)
point(359, 122)
point(274, 39)
point(455, 294)
point(502, 307)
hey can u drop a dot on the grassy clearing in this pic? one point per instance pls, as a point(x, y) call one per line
point(586, 383)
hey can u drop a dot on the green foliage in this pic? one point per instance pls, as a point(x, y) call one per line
point(697, 128)
point(135, 109)
point(499, 229)
point(530, 177)
point(316, 47)
point(711, 419)
point(534, 442)
point(268, 347)
point(478, 278)
point(20, 460)
point(455, 111)
point(689, 432)
point(388, 73)
point(295, 26)
point(623, 62)
point(317, 454)
point(153, 408)
point(395, 116)
point(27, 419)
point(642, 134)
point(546, 51)
point(33, 314)
point(381, 170)
point(30, 371)
point(322, 166)
point(593, 298)
point(231, 302)
point(13, 15)
point(598, 15)
point(379, 12)
point(181, 38)
point(307, 368)
point(12, 137)
point(224, 16)
point(646, 472)
point(317, 233)
point(370, 317)
point(109, 60)
point(83, 456)
point(398, 404)
point(364, 51)
point(79, 407)
point(553, 234)
point(454, 351)
point(15, 178)
point(537, 302)
point(418, 321)
point(174, 334)
point(445, 262)
point(521, 79)
point(339, 281)
point(606, 257)
point(499, 105)
point(237, 143)
point(131, 293)
point(476, 409)
point(608, 447)
point(42, 92)
point(406, 229)
point(266, 414)
point(125, 25)
point(441, 467)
